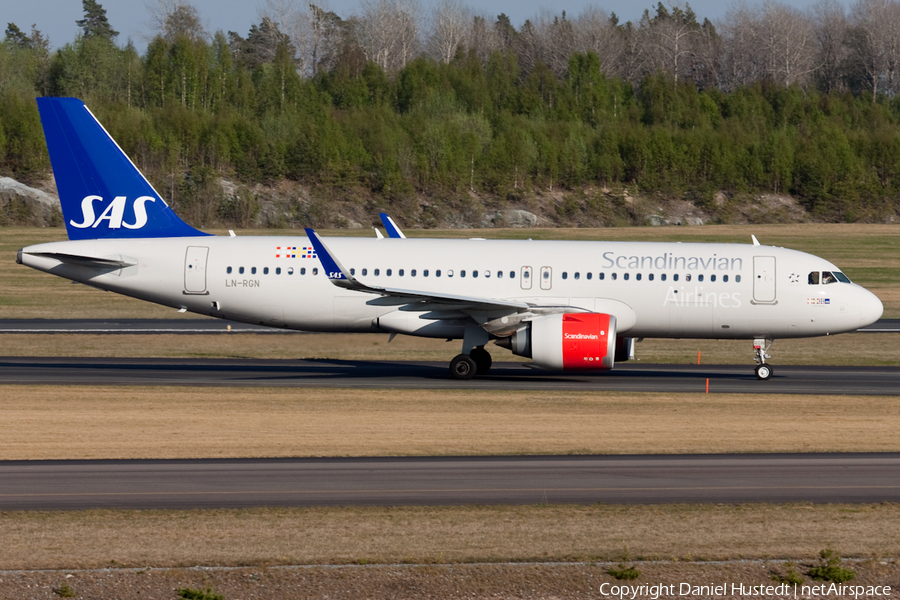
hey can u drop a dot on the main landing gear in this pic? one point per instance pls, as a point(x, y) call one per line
point(474, 360)
point(760, 348)
point(467, 366)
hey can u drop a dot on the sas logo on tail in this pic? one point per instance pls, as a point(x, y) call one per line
point(114, 213)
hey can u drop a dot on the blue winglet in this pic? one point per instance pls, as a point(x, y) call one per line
point(102, 193)
point(332, 267)
point(392, 230)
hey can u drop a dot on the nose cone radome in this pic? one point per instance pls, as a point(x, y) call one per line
point(870, 308)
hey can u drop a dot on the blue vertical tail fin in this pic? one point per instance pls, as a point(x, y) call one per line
point(102, 193)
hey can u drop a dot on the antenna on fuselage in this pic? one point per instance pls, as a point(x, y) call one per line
point(755, 241)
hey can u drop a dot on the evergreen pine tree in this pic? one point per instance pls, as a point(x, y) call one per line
point(95, 23)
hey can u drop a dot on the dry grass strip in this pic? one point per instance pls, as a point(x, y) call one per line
point(443, 534)
point(46, 422)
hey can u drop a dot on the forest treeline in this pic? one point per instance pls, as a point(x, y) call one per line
point(771, 99)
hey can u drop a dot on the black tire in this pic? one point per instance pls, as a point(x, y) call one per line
point(764, 372)
point(483, 360)
point(463, 367)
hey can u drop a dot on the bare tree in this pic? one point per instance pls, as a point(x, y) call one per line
point(787, 41)
point(671, 38)
point(482, 37)
point(596, 31)
point(450, 28)
point(172, 19)
point(388, 32)
point(831, 27)
point(875, 43)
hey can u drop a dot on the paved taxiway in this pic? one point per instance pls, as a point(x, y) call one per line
point(70, 485)
point(324, 373)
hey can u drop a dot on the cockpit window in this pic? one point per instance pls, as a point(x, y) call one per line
point(841, 277)
point(828, 277)
point(814, 278)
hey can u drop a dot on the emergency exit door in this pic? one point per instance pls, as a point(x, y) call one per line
point(195, 270)
point(764, 279)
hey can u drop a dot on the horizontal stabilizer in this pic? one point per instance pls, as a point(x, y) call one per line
point(87, 261)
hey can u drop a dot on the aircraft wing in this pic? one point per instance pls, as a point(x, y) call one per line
point(341, 277)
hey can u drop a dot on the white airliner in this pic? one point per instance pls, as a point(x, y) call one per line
point(566, 305)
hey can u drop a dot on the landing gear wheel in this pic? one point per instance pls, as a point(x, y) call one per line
point(463, 367)
point(763, 371)
point(483, 360)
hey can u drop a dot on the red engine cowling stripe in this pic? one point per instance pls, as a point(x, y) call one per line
point(585, 340)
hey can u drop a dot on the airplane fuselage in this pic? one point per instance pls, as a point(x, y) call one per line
point(670, 290)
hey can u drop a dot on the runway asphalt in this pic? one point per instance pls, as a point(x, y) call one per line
point(323, 373)
point(184, 484)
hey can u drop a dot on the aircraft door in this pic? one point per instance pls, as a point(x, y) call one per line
point(546, 278)
point(764, 280)
point(195, 270)
point(526, 278)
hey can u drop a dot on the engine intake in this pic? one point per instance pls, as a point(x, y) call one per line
point(571, 341)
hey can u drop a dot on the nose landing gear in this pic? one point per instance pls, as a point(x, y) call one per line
point(760, 348)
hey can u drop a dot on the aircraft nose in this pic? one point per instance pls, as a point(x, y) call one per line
point(870, 308)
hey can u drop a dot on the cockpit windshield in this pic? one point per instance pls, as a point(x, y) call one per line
point(826, 277)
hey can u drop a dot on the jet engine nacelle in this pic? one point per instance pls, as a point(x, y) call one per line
point(572, 341)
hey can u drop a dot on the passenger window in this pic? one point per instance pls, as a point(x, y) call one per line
point(725, 278)
point(712, 278)
point(602, 276)
point(437, 273)
point(638, 276)
point(650, 276)
point(365, 272)
point(228, 270)
point(388, 272)
point(462, 273)
point(737, 278)
point(303, 271)
point(564, 275)
point(425, 273)
point(577, 275)
point(352, 271)
point(412, 273)
point(241, 270)
point(449, 272)
point(278, 270)
point(253, 270)
point(687, 277)
point(315, 270)
point(589, 275)
point(499, 274)
point(487, 273)
point(400, 272)
point(474, 273)
point(813, 278)
point(526, 274)
point(377, 272)
point(625, 277)
point(614, 276)
point(290, 270)
point(662, 277)
point(512, 274)
point(675, 277)
point(700, 277)
point(265, 270)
